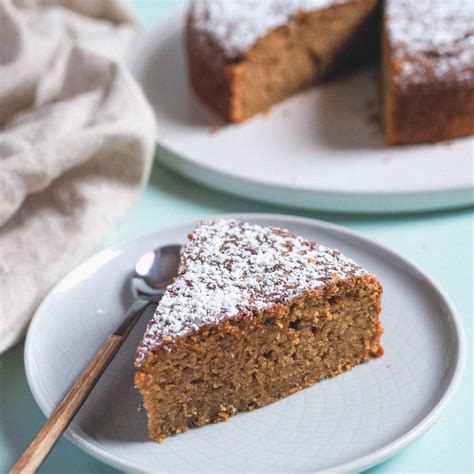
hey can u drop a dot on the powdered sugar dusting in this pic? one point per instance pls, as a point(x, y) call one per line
point(432, 38)
point(237, 24)
point(231, 267)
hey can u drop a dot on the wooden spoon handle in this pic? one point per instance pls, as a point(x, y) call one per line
point(45, 439)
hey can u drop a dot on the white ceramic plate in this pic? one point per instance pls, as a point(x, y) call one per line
point(346, 423)
point(315, 151)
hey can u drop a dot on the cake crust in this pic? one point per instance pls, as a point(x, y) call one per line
point(428, 62)
point(255, 314)
point(231, 268)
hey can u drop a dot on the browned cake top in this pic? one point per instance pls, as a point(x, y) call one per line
point(433, 39)
point(230, 268)
point(236, 25)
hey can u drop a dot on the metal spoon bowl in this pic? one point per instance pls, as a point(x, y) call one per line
point(154, 271)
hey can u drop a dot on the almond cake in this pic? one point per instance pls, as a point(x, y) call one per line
point(246, 55)
point(255, 314)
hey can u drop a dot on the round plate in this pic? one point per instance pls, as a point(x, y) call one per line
point(317, 150)
point(346, 423)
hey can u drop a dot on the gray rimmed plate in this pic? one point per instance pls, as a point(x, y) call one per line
point(316, 150)
point(346, 423)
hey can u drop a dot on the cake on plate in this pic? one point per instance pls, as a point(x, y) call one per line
point(246, 55)
point(255, 314)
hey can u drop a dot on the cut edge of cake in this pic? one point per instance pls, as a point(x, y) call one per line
point(241, 64)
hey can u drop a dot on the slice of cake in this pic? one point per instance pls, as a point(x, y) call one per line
point(254, 315)
point(428, 62)
point(246, 55)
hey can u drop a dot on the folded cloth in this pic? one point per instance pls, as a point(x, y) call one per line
point(76, 143)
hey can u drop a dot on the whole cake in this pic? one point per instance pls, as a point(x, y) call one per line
point(254, 315)
point(246, 55)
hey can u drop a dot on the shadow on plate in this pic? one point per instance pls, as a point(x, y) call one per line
point(348, 112)
point(126, 294)
point(113, 410)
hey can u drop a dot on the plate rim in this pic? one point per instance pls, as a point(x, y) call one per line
point(354, 465)
point(335, 200)
point(395, 202)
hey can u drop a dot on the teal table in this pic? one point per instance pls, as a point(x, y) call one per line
point(440, 243)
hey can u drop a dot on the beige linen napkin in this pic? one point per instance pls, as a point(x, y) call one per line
point(76, 143)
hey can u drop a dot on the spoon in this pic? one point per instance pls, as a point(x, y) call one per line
point(154, 271)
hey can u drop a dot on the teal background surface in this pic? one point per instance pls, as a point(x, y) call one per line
point(441, 243)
